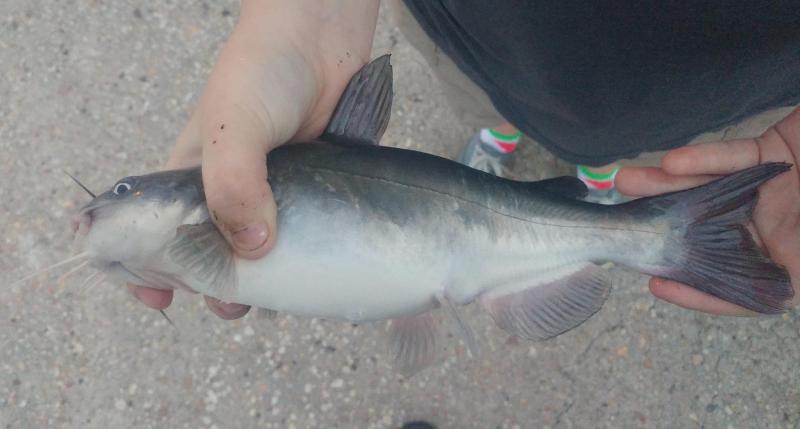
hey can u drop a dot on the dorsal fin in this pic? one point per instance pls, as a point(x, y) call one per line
point(363, 111)
point(565, 186)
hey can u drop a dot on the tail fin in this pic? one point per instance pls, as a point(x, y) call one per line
point(711, 249)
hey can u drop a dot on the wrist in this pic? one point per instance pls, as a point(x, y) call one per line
point(327, 41)
point(263, 82)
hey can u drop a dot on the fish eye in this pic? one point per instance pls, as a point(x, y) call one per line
point(121, 188)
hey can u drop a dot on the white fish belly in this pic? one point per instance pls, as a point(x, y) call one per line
point(342, 269)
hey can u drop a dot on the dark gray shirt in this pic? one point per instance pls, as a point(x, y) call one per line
point(598, 81)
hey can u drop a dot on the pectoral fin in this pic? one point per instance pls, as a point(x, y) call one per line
point(205, 255)
point(564, 299)
point(266, 314)
point(463, 327)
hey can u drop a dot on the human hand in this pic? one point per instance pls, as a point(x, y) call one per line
point(776, 220)
point(278, 78)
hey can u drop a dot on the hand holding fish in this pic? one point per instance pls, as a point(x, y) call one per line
point(277, 79)
point(776, 220)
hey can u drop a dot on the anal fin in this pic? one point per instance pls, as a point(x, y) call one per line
point(413, 342)
point(564, 299)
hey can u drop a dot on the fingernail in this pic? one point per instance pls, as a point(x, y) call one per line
point(226, 310)
point(250, 237)
point(230, 308)
point(134, 291)
point(153, 298)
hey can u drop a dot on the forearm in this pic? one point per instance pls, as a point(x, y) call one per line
point(331, 29)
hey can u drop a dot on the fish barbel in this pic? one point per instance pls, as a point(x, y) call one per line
point(370, 233)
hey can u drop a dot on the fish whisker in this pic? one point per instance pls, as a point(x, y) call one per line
point(89, 279)
point(80, 184)
point(77, 257)
point(89, 287)
point(163, 313)
point(63, 279)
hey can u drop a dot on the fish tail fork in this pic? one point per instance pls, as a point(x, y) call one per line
point(709, 246)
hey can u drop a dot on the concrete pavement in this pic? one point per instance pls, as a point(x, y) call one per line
point(101, 89)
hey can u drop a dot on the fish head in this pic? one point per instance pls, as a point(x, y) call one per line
point(138, 216)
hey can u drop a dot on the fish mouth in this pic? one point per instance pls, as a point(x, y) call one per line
point(82, 221)
point(94, 205)
point(80, 224)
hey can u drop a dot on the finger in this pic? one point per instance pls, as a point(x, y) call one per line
point(789, 131)
point(188, 150)
point(712, 158)
point(688, 297)
point(226, 310)
point(648, 181)
point(239, 198)
point(157, 299)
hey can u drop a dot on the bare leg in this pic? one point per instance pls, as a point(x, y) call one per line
point(506, 128)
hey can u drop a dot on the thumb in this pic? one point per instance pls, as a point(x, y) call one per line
point(239, 198)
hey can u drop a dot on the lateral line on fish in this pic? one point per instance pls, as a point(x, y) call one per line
point(455, 197)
